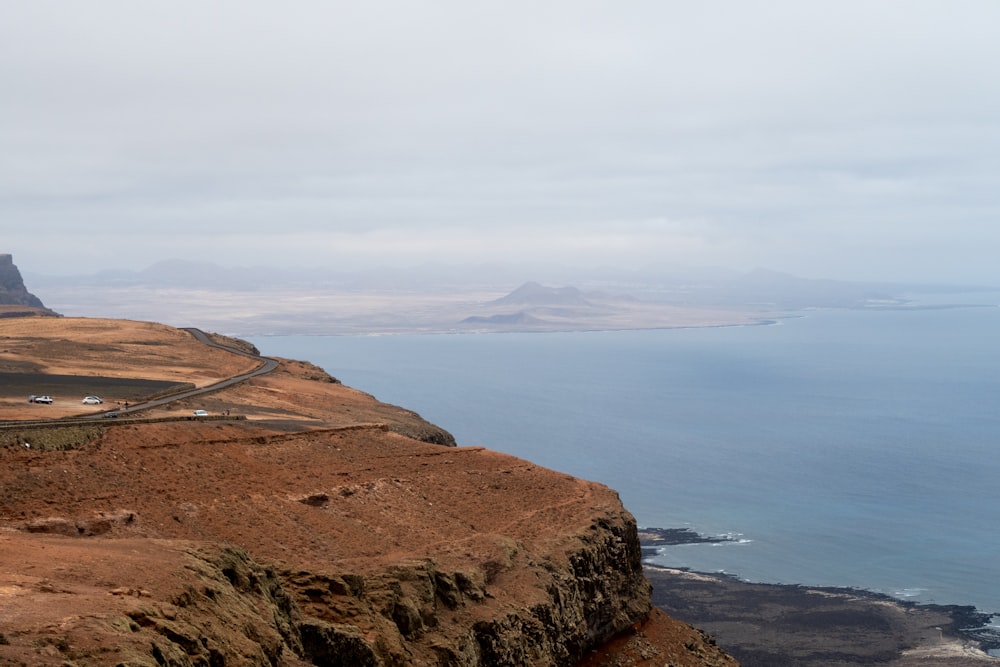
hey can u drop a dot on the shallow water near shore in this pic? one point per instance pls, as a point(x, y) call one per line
point(837, 448)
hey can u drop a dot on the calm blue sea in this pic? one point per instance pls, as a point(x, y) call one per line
point(842, 448)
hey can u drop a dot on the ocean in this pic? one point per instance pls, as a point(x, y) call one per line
point(834, 448)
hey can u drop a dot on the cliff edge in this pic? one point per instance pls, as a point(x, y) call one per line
point(301, 523)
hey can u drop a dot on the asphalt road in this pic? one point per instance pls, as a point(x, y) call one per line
point(266, 366)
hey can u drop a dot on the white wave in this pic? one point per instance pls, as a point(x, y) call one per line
point(731, 538)
point(909, 592)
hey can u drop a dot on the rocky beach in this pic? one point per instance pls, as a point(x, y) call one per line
point(779, 625)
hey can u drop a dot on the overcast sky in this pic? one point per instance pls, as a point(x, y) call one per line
point(841, 138)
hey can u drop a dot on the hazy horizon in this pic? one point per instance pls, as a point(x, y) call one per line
point(202, 274)
point(849, 140)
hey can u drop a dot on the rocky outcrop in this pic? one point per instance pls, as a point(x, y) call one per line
point(99, 524)
point(12, 289)
point(216, 604)
point(425, 614)
point(231, 608)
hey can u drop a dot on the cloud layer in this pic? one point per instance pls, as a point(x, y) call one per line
point(831, 139)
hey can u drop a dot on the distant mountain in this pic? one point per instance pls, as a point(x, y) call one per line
point(534, 294)
point(186, 274)
point(534, 306)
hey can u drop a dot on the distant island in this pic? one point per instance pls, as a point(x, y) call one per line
point(267, 300)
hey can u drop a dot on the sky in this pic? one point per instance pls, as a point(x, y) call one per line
point(830, 139)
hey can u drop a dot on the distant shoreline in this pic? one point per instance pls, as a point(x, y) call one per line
point(290, 312)
point(485, 332)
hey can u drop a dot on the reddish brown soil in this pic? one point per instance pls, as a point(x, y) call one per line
point(317, 476)
point(659, 640)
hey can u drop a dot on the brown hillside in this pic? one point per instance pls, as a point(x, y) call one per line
point(310, 525)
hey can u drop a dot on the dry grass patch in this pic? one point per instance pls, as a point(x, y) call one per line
point(115, 348)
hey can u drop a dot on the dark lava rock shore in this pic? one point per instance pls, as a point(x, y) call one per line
point(779, 625)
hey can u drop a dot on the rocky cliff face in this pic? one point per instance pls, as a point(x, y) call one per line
point(359, 547)
point(12, 289)
point(355, 548)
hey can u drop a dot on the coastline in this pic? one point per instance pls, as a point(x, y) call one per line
point(792, 624)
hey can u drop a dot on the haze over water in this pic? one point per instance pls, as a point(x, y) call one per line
point(845, 448)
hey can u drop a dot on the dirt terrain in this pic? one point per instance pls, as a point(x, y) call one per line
point(300, 515)
point(67, 348)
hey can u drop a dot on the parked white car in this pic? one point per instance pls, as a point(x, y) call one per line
point(92, 400)
point(201, 413)
point(43, 399)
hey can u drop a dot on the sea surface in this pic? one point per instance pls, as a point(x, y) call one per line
point(836, 447)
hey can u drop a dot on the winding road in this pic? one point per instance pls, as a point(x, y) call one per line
point(267, 365)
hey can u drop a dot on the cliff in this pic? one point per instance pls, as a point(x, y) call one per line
point(13, 293)
point(302, 523)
